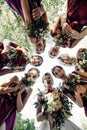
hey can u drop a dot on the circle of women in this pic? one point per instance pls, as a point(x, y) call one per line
point(30, 70)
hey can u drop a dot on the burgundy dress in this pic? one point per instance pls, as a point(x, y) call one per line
point(8, 109)
point(77, 11)
point(16, 5)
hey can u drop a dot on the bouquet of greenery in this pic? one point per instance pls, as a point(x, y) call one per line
point(56, 104)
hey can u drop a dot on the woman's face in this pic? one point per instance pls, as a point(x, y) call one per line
point(33, 73)
point(40, 46)
point(54, 51)
point(59, 73)
point(48, 81)
point(65, 58)
point(36, 60)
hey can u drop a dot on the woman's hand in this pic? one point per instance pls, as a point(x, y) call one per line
point(37, 13)
point(80, 89)
point(50, 119)
point(75, 34)
point(66, 28)
point(22, 89)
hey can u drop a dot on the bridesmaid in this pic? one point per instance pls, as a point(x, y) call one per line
point(71, 26)
point(13, 57)
point(74, 85)
point(34, 17)
point(13, 100)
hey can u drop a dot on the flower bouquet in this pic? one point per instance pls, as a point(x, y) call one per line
point(62, 39)
point(37, 28)
point(56, 104)
point(26, 80)
point(82, 60)
point(72, 82)
point(17, 59)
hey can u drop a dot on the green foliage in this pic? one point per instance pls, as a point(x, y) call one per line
point(12, 26)
point(23, 124)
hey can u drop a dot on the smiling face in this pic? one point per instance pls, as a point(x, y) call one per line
point(33, 73)
point(58, 72)
point(47, 80)
point(65, 58)
point(40, 46)
point(36, 60)
point(54, 51)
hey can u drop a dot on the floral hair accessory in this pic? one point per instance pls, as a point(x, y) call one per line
point(56, 104)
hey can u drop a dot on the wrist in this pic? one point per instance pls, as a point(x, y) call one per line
point(42, 10)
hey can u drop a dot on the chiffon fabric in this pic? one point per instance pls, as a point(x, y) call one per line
point(68, 125)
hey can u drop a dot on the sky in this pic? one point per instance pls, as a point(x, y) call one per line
point(48, 63)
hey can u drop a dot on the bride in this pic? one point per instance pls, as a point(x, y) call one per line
point(45, 124)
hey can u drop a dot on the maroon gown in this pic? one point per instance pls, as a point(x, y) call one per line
point(16, 5)
point(77, 11)
point(8, 109)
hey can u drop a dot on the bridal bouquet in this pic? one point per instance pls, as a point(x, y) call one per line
point(17, 59)
point(82, 60)
point(55, 103)
point(62, 39)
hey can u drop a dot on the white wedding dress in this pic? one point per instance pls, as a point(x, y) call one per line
point(68, 125)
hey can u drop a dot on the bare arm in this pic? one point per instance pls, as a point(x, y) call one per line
point(65, 26)
point(6, 71)
point(39, 113)
point(26, 12)
point(20, 103)
point(56, 25)
point(79, 101)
